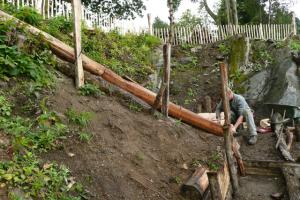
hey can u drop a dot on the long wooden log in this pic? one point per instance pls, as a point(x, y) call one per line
point(67, 53)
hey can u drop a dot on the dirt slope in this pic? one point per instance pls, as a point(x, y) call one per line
point(129, 150)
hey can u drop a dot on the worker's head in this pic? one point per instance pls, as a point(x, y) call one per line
point(229, 93)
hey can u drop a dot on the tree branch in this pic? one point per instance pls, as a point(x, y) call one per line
point(210, 12)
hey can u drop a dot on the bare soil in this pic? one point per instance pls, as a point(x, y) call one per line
point(132, 155)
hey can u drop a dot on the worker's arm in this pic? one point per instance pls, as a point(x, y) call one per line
point(237, 123)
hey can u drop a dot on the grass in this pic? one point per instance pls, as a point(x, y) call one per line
point(295, 45)
point(85, 137)
point(90, 90)
point(135, 106)
point(30, 66)
point(25, 171)
point(81, 119)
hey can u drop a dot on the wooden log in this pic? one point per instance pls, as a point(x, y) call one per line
point(67, 53)
point(267, 167)
point(196, 186)
point(292, 179)
point(227, 131)
point(158, 98)
point(219, 183)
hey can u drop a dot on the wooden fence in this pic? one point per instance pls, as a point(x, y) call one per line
point(54, 8)
point(204, 35)
point(183, 35)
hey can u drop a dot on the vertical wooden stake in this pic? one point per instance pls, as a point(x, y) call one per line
point(228, 138)
point(166, 79)
point(167, 61)
point(150, 31)
point(77, 40)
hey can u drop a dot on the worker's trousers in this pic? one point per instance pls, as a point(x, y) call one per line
point(248, 118)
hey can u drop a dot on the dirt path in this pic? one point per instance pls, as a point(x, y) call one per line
point(129, 150)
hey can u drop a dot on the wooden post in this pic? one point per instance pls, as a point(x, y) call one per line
point(227, 131)
point(166, 79)
point(158, 97)
point(294, 25)
point(208, 108)
point(150, 31)
point(167, 61)
point(79, 80)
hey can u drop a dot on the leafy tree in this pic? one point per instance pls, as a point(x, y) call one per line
point(158, 23)
point(188, 19)
point(121, 9)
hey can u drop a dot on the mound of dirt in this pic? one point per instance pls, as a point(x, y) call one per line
point(132, 155)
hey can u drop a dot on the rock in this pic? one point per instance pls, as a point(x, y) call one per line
point(196, 49)
point(4, 141)
point(3, 84)
point(185, 60)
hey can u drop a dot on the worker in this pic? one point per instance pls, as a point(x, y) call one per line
point(239, 111)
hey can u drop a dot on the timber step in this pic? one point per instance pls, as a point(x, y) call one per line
point(292, 179)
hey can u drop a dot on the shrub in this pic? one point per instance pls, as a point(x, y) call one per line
point(29, 15)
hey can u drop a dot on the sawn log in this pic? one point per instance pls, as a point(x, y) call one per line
point(67, 53)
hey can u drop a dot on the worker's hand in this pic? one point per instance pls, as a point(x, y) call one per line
point(232, 128)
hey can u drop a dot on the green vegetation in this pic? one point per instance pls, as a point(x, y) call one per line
point(295, 45)
point(128, 54)
point(90, 90)
point(224, 49)
point(31, 62)
point(135, 106)
point(41, 182)
point(5, 107)
point(140, 156)
point(29, 15)
point(214, 162)
point(81, 119)
point(85, 137)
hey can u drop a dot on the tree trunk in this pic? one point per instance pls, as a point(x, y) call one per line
point(270, 10)
point(234, 12)
point(227, 4)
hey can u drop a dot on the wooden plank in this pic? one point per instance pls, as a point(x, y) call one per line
point(79, 80)
point(292, 178)
point(219, 183)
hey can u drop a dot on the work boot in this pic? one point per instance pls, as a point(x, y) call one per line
point(252, 140)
